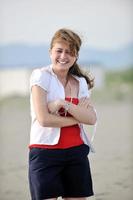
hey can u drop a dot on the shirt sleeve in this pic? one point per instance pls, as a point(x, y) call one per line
point(40, 78)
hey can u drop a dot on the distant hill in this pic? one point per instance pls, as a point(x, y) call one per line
point(23, 55)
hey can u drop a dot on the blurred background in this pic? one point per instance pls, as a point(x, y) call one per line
point(105, 27)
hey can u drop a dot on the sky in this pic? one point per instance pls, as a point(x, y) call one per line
point(102, 24)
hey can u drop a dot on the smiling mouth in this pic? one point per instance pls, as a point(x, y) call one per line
point(63, 62)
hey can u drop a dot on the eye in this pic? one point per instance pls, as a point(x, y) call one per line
point(68, 52)
point(58, 51)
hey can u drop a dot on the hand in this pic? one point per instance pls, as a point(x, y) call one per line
point(54, 106)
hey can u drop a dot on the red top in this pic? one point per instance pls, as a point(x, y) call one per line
point(69, 136)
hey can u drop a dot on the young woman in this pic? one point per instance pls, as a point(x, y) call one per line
point(60, 105)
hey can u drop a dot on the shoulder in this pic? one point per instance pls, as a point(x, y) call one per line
point(41, 77)
point(40, 73)
point(83, 83)
point(84, 87)
point(81, 80)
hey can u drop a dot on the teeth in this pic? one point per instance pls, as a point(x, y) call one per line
point(62, 62)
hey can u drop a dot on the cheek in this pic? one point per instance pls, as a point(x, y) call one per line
point(73, 60)
point(52, 56)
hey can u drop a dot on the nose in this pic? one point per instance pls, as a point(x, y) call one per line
point(63, 55)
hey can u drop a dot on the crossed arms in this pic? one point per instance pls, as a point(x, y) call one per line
point(46, 113)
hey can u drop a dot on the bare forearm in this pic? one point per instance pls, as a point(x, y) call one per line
point(43, 115)
point(57, 121)
point(82, 114)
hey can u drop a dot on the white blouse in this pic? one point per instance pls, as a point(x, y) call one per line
point(47, 80)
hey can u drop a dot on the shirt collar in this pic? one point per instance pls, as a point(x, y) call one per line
point(50, 69)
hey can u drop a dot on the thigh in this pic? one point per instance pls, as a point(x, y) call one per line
point(76, 198)
point(77, 175)
point(45, 169)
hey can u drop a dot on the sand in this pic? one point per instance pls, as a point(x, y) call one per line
point(111, 165)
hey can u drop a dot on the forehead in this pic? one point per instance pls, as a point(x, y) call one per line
point(61, 45)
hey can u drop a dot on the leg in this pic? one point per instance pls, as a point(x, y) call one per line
point(77, 175)
point(44, 174)
point(82, 198)
point(51, 199)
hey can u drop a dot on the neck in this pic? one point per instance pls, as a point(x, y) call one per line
point(63, 79)
point(61, 75)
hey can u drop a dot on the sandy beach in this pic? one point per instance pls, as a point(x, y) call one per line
point(111, 165)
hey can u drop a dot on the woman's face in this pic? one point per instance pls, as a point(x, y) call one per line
point(61, 57)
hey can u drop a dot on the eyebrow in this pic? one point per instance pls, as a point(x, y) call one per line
point(59, 48)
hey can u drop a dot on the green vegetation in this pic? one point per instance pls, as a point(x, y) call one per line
point(118, 87)
point(120, 77)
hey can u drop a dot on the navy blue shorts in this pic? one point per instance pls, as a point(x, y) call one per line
point(60, 172)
